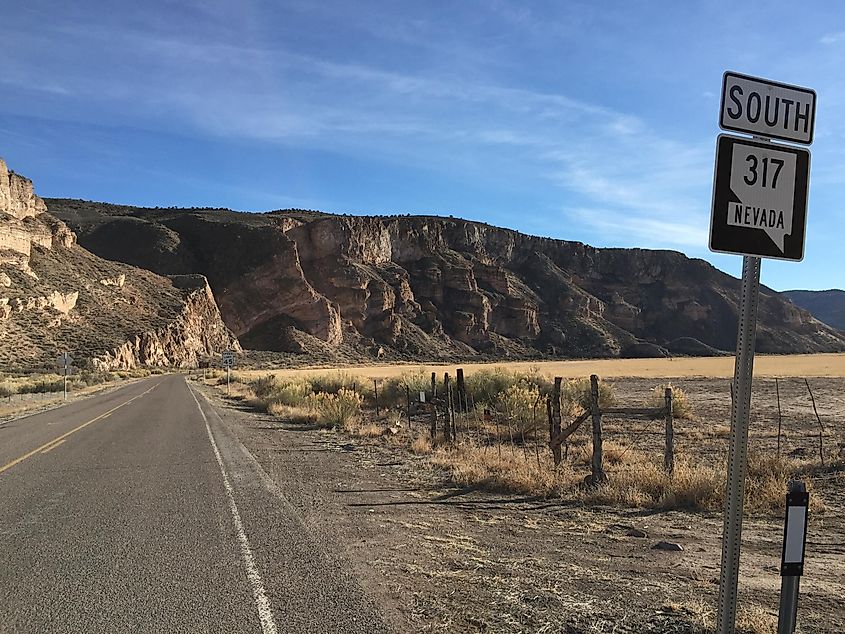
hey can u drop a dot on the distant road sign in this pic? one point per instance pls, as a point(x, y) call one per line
point(767, 108)
point(759, 199)
point(64, 360)
point(228, 358)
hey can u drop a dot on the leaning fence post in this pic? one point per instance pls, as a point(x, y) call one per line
point(669, 451)
point(555, 418)
point(598, 475)
point(433, 406)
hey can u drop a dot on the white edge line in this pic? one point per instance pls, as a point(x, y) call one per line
point(265, 612)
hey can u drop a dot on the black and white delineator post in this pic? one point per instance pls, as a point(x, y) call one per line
point(792, 558)
point(759, 209)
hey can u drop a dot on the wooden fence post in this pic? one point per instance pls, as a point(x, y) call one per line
point(433, 406)
point(780, 417)
point(554, 429)
point(408, 398)
point(375, 389)
point(598, 474)
point(462, 391)
point(669, 451)
point(447, 397)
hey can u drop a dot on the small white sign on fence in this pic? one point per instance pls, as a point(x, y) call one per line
point(422, 397)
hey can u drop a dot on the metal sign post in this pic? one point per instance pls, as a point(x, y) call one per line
point(64, 360)
point(227, 359)
point(740, 409)
point(759, 210)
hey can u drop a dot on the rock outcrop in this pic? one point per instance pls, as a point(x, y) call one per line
point(427, 287)
point(827, 306)
point(56, 296)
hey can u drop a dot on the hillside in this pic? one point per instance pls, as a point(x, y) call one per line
point(56, 296)
point(827, 306)
point(411, 287)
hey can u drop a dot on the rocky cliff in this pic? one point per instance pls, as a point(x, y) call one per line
point(56, 296)
point(827, 306)
point(428, 287)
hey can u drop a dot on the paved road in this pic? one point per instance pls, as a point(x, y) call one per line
point(138, 511)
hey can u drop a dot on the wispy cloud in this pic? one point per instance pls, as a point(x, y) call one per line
point(833, 38)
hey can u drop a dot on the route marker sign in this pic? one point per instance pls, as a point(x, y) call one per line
point(767, 108)
point(759, 199)
point(759, 210)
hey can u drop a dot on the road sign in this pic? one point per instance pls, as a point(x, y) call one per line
point(759, 199)
point(767, 108)
point(759, 209)
point(228, 358)
point(64, 361)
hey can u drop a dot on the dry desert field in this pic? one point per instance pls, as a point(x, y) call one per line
point(485, 534)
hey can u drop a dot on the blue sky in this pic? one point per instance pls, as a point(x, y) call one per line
point(589, 121)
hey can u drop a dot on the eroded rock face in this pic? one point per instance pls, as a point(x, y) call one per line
point(197, 332)
point(56, 296)
point(17, 197)
point(429, 286)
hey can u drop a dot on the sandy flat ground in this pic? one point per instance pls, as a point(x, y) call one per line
point(803, 365)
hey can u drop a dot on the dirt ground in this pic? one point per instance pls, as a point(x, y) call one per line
point(440, 558)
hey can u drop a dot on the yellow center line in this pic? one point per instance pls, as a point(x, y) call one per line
point(59, 440)
point(54, 445)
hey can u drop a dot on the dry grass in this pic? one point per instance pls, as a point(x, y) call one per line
point(750, 619)
point(502, 469)
point(809, 365)
point(293, 413)
point(366, 430)
point(421, 444)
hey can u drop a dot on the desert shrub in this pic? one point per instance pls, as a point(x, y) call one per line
point(576, 395)
point(486, 386)
point(681, 405)
point(293, 393)
point(264, 386)
point(94, 377)
point(333, 382)
point(517, 403)
point(483, 387)
point(39, 386)
point(7, 390)
point(336, 410)
point(394, 391)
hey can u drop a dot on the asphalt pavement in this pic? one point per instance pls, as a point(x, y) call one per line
point(139, 511)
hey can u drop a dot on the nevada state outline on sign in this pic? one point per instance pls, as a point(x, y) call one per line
point(759, 199)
